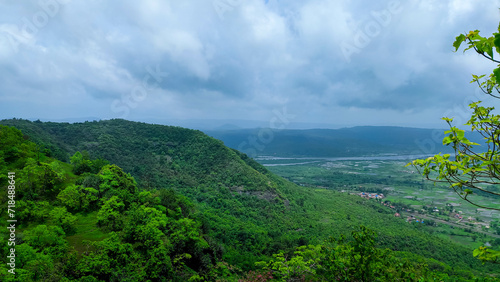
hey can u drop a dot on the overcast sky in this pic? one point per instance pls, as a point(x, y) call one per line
point(338, 63)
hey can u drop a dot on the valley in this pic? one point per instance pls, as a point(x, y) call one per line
point(402, 186)
point(117, 192)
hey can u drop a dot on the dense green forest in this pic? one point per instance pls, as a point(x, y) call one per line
point(125, 201)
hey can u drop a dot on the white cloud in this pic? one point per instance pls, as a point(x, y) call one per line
point(256, 58)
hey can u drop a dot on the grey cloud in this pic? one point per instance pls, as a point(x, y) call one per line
point(256, 58)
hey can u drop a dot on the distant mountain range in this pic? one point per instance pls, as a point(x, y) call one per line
point(254, 139)
point(202, 124)
point(345, 142)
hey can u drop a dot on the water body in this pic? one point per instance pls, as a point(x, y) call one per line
point(291, 163)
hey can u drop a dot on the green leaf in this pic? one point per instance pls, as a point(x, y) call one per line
point(497, 41)
point(496, 72)
point(458, 41)
point(476, 252)
point(489, 49)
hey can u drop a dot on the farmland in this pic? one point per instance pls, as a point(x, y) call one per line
point(402, 187)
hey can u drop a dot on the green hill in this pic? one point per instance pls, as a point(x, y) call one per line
point(231, 211)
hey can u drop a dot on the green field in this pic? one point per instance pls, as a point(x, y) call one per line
point(403, 186)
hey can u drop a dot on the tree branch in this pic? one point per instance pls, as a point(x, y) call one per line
point(482, 53)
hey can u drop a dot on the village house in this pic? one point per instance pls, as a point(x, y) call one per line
point(371, 195)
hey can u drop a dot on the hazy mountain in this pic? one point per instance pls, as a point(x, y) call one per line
point(355, 141)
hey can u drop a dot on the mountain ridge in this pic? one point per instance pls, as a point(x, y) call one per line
point(344, 142)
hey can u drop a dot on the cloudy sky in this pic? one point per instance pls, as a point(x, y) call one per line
point(284, 63)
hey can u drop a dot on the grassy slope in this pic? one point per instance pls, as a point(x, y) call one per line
point(249, 210)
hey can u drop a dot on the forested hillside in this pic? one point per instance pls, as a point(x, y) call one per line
point(192, 208)
point(95, 225)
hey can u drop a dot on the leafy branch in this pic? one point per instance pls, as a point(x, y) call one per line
point(473, 168)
